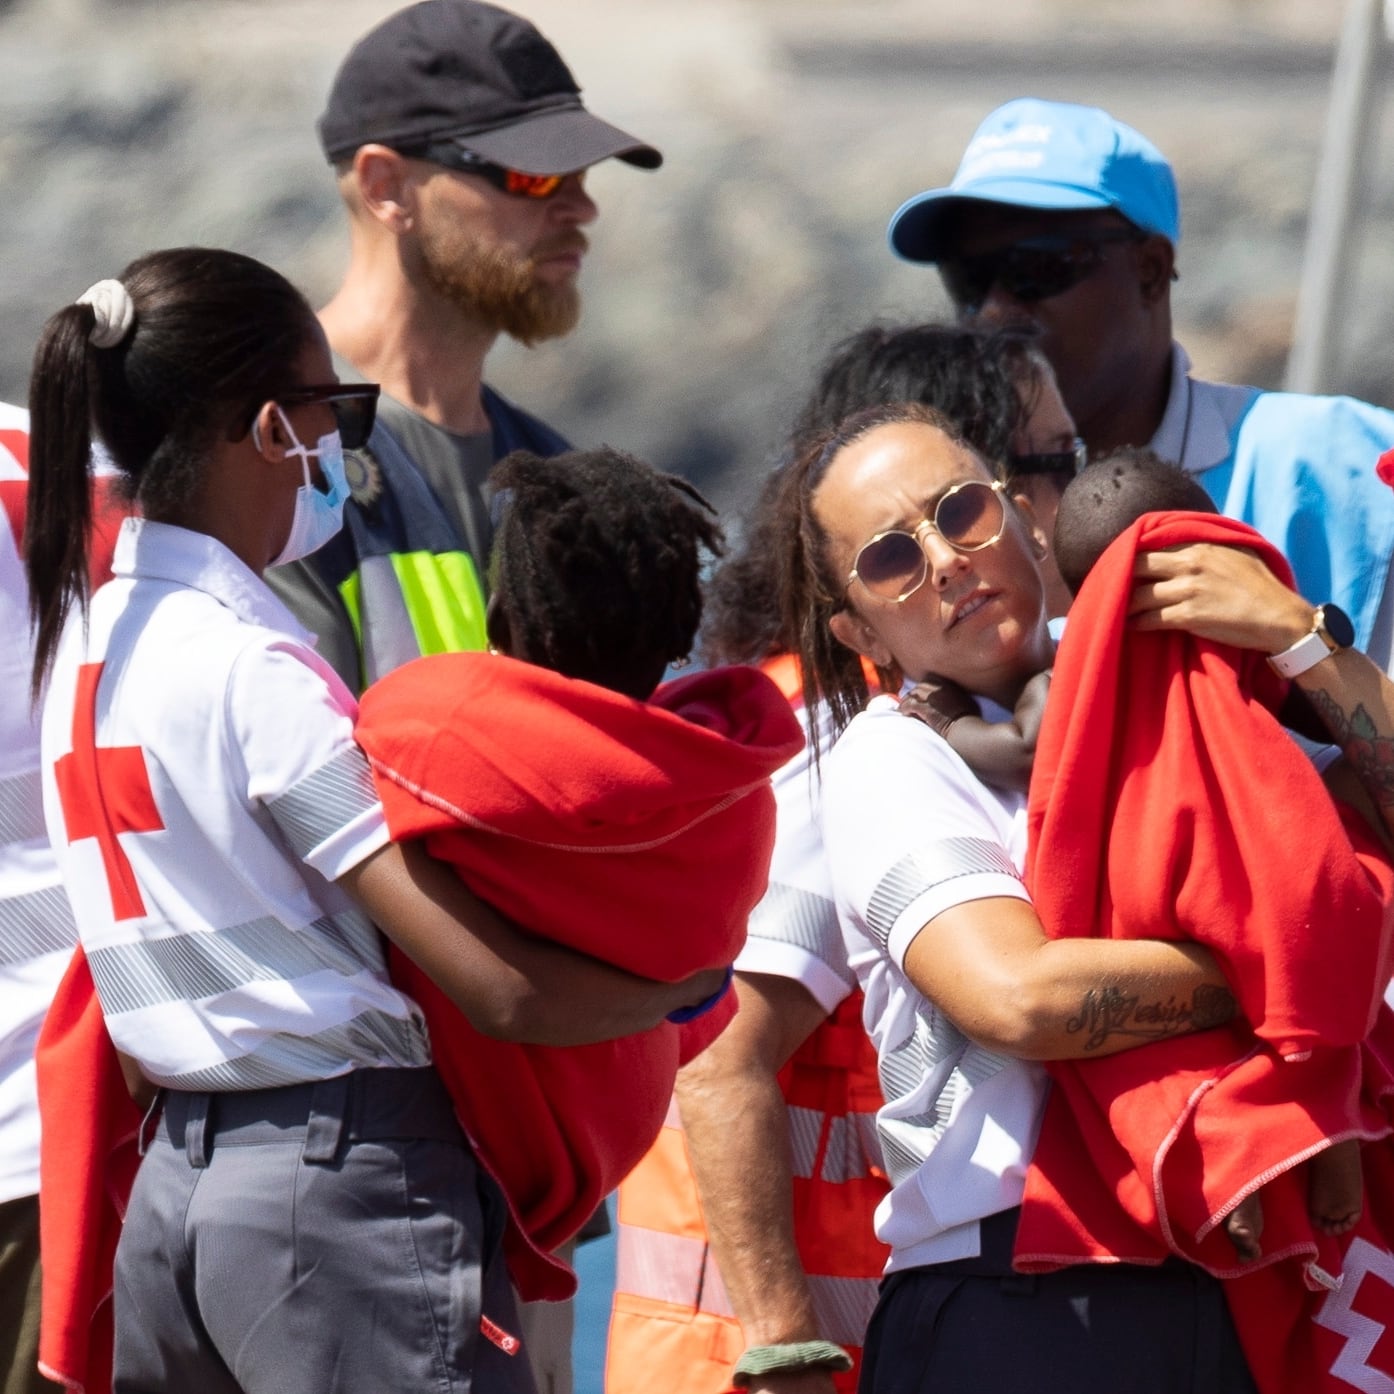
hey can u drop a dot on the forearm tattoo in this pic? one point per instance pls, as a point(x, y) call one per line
point(1109, 1013)
point(1371, 755)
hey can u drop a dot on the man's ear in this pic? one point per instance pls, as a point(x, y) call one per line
point(385, 187)
point(1156, 260)
point(853, 632)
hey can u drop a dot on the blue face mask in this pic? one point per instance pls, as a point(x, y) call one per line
point(318, 516)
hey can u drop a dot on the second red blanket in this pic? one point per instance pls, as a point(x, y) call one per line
point(1168, 803)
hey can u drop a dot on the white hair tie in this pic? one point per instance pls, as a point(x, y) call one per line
point(114, 312)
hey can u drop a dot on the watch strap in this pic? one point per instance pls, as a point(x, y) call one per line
point(1308, 651)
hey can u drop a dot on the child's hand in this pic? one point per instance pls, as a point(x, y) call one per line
point(938, 703)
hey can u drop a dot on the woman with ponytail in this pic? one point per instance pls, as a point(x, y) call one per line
point(307, 1214)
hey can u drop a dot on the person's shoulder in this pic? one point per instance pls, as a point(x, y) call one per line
point(1302, 411)
point(519, 429)
point(270, 673)
point(881, 744)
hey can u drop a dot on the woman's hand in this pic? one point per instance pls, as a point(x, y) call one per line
point(1221, 593)
point(1227, 594)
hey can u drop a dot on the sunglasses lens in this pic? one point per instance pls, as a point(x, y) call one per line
point(1069, 461)
point(1030, 273)
point(1034, 270)
point(970, 517)
point(892, 564)
point(531, 185)
point(354, 417)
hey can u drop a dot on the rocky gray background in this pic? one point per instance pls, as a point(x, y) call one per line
point(792, 128)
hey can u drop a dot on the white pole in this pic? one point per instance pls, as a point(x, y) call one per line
point(1345, 149)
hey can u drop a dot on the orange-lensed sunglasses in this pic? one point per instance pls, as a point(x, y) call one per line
point(510, 181)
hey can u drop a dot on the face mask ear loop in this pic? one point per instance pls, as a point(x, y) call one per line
point(295, 447)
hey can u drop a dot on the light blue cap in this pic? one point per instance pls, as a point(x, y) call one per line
point(1047, 155)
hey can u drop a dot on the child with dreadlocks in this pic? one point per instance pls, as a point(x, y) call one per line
point(1099, 505)
point(632, 823)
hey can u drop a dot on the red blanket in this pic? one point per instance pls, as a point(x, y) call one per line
point(1167, 803)
point(639, 833)
point(87, 1165)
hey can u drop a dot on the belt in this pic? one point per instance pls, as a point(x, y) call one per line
point(324, 1114)
point(997, 1236)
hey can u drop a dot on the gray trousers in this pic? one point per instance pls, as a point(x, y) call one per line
point(330, 1238)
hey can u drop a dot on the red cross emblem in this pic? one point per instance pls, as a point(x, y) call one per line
point(1359, 1311)
point(105, 792)
point(16, 444)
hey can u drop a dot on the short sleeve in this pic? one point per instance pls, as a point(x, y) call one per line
point(290, 720)
point(910, 832)
point(793, 930)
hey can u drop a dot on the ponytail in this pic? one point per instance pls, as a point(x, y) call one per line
point(58, 519)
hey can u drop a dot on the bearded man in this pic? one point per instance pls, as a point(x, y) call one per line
point(461, 146)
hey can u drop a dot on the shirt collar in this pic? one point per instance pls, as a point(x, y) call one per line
point(1170, 434)
point(1193, 431)
point(153, 551)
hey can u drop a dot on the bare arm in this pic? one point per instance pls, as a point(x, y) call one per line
point(508, 983)
point(1229, 595)
point(989, 966)
point(1000, 753)
point(738, 1139)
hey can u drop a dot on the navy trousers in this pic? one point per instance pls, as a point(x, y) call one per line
point(974, 1327)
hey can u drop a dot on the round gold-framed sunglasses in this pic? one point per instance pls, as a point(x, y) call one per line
point(893, 565)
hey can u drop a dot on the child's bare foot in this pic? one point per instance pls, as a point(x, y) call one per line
point(1244, 1225)
point(1335, 1185)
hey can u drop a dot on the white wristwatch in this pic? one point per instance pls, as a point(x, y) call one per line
point(1331, 632)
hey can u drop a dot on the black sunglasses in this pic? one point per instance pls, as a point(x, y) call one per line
point(510, 181)
point(1035, 268)
point(1069, 461)
point(354, 404)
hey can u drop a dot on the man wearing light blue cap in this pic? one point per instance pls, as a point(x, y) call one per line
point(1064, 218)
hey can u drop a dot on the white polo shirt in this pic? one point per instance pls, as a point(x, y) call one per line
point(909, 832)
point(37, 932)
point(202, 791)
point(793, 931)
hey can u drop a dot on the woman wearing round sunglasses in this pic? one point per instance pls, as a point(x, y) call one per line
point(899, 546)
point(308, 1214)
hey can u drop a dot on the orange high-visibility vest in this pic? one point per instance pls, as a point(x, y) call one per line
point(671, 1325)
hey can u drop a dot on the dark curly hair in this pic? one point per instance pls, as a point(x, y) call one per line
point(597, 566)
point(983, 380)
